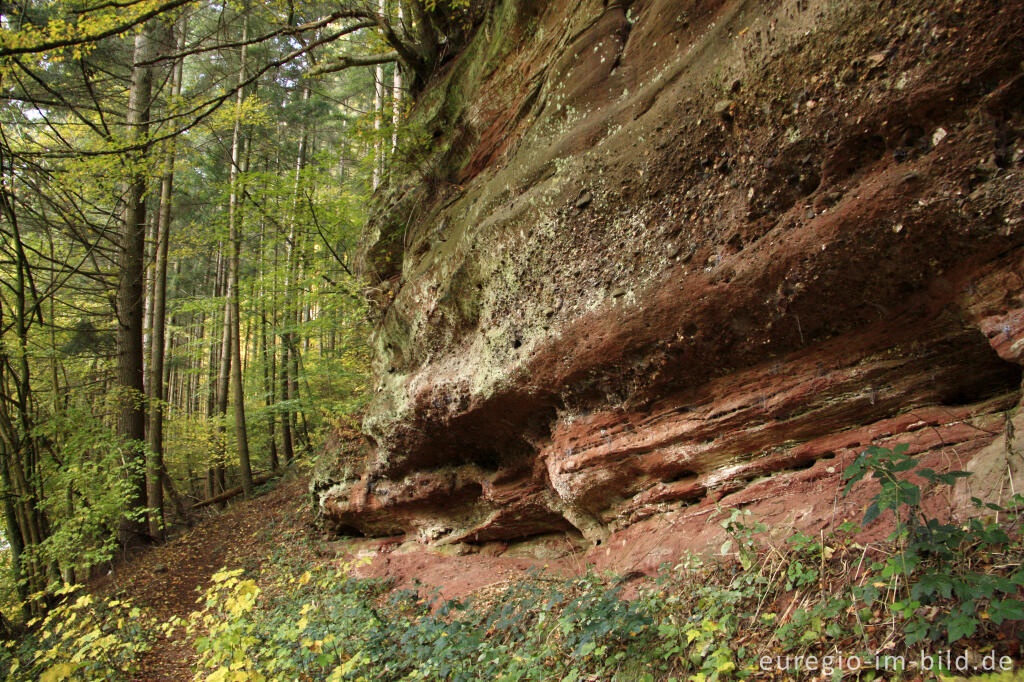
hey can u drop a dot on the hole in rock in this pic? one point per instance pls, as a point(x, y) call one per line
point(471, 491)
point(976, 384)
point(684, 475)
point(348, 531)
point(804, 465)
point(485, 458)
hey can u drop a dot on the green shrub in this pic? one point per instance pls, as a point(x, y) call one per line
point(700, 620)
point(81, 638)
point(932, 566)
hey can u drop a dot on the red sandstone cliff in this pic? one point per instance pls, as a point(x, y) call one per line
point(676, 253)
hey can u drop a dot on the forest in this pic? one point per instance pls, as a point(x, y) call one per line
point(183, 186)
point(506, 339)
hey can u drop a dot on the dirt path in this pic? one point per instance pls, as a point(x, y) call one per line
point(168, 579)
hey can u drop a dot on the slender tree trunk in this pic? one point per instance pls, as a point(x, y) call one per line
point(213, 372)
point(396, 96)
point(147, 308)
point(132, 417)
point(378, 118)
point(287, 444)
point(195, 401)
point(290, 350)
point(155, 473)
point(12, 437)
point(232, 311)
point(274, 322)
point(267, 354)
point(295, 354)
point(13, 534)
point(224, 376)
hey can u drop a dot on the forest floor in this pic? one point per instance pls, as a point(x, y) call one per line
point(274, 540)
point(167, 580)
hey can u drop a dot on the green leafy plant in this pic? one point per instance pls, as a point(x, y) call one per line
point(802, 568)
point(742, 534)
point(94, 473)
point(930, 568)
point(80, 638)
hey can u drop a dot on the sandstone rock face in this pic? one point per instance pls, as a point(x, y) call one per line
point(673, 254)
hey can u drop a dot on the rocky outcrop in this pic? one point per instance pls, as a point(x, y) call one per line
point(665, 255)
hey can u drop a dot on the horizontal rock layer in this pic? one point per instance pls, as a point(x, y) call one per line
point(671, 254)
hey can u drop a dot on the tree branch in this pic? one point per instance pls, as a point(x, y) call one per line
point(61, 43)
point(349, 62)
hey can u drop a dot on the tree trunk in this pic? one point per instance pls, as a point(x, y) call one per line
point(290, 350)
point(234, 236)
point(147, 300)
point(15, 443)
point(13, 534)
point(378, 118)
point(396, 96)
point(131, 423)
point(287, 437)
point(266, 354)
point(228, 494)
point(155, 473)
point(224, 377)
point(213, 371)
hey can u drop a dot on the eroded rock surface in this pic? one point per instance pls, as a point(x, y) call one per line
point(679, 254)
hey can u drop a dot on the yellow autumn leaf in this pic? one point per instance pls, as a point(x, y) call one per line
point(61, 671)
point(218, 675)
point(348, 666)
point(244, 676)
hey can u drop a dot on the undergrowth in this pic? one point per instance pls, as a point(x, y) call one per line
point(825, 607)
point(80, 638)
point(822, 606)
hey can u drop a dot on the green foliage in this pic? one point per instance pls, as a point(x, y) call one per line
point(79, 639)
point(931, 567)
point(299, 195)
point(90, 488)
point(802, 570)
point(433, 5)
point(322, 623)
point(329, 626)
point(691, 624)
point(701, 620)
point(742, 535)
